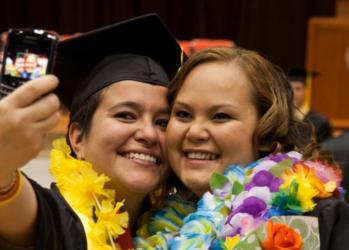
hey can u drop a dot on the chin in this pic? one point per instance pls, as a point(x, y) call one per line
point(143, 187)
point(197, 187)
point(141, 182)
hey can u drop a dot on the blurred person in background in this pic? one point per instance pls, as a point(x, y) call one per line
point(322, 126)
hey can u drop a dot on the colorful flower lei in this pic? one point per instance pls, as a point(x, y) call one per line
point(84, 190)
point(241, 200)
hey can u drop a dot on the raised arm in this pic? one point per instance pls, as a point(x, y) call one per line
point(26, 116)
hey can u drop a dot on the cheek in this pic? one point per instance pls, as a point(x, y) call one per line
point(175, 133)
point(237, 144)
point(162, 143)
point(109, 134)
point(173, 140)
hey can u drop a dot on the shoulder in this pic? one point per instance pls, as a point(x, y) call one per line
point(341, 142)
point(317, 117)
point(333, 216)
point(58, 226)
point(326, 207)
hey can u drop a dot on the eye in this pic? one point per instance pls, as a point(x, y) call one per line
point(125, 116)
point(162, 123)
point(182, 114)
point(221, 117)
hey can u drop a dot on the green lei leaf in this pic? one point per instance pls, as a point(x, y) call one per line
point(237, 188)
point(278, 169)
point(218, 180)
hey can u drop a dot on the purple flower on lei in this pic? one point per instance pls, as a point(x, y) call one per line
point(251, 205)
point(264, 178)
point(295, 156)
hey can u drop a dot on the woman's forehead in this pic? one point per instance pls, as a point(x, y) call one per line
point(134, 91)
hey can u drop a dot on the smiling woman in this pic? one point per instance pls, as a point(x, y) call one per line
point(206, 136)
point(114, 82)
point(115, 141)
point(244, 170)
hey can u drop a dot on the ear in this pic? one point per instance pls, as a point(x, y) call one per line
point(76, 140)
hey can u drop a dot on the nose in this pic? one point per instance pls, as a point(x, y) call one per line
point(197, 132)
point(147, 133)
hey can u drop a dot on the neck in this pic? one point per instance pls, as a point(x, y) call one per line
point(133, 207)
point(132, 204)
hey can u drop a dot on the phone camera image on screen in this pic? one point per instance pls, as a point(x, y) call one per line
point(25, 65)
point(29, 54)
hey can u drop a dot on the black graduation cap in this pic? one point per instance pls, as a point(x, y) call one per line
point(300, 75)
point(140, 49)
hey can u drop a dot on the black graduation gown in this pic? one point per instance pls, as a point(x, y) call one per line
point(58, 228)
point(333, 215)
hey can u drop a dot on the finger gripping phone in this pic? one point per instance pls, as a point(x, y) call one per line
point(29, 54)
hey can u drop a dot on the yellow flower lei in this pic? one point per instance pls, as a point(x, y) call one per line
point(84, 190)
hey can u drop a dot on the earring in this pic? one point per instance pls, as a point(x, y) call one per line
point(81, 157)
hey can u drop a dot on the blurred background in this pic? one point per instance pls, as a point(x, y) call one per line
point(310, 34)
point(275, 28)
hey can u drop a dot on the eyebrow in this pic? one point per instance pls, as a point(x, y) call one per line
point(213, 107)
point(139, 107)
point(181, 104)
point(128, 104)
point(224, 106)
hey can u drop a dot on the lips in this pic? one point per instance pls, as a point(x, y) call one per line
point(197, 155)
point(142, 156)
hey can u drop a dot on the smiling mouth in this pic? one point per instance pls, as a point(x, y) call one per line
point(201, 156)
point(143, 157)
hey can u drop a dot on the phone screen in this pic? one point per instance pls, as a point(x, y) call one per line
point(25, 63)
point(28, 55)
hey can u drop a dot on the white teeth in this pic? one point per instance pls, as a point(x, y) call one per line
point(140, 156)
point(201, 156)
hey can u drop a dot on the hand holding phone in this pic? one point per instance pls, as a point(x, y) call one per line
point(29, 54)
point(25, 119)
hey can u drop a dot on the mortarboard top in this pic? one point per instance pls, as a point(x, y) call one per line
point(300, 75)
point(130, 50)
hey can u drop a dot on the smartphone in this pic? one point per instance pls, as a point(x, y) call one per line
point(28, 54)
